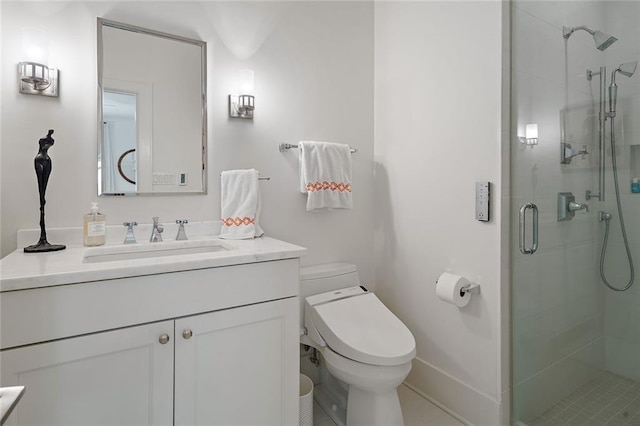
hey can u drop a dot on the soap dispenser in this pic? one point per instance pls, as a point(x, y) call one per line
point(94, 228)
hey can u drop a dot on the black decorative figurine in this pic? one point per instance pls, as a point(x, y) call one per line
point(42, 164)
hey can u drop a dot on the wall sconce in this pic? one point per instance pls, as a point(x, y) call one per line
point(34, 75)
point(242, 105)
point(530, 137)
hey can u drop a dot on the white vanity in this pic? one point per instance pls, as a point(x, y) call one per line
point(209, 337)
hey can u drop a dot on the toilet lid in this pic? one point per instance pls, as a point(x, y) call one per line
point(363, 329)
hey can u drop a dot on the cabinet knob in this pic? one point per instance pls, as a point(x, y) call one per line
point(187, 334)
point(164, 339)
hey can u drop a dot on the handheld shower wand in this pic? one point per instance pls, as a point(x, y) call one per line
point(627, 69)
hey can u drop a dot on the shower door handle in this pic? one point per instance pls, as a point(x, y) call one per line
point(534, 244)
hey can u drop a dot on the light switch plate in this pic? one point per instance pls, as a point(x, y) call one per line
point(483, 197)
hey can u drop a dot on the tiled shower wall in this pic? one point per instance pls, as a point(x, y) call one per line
point(622, 309)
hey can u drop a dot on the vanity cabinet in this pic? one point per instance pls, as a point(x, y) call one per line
point(216, 346)
point(121, 377)
point(232, 366)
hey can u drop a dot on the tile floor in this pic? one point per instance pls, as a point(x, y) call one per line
point(609, 399)
point(416, 411)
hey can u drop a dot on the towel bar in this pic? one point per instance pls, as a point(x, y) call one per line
point(260, 178)
point(285, 146)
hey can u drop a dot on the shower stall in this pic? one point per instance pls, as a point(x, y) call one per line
point(575, 212)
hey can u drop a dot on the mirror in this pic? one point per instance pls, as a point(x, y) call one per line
point(152, 132)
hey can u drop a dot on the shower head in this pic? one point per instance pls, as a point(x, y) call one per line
point(627, 69)
point(602, 40)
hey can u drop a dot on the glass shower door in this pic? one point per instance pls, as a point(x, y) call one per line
point(575, 342)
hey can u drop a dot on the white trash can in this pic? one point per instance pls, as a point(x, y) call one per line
point(306, 401)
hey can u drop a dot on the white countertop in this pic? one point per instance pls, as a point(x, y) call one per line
point(20, 271)
point(9, 398)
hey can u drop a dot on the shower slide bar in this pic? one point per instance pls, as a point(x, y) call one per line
point(602, 118)
point(285, 146)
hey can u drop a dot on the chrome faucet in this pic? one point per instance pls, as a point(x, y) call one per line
point(182, 235)
point(130, 238)
point(156, 232)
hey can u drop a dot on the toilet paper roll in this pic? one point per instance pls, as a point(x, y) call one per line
point(449, 288)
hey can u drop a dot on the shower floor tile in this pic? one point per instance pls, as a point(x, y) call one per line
point(609, 399)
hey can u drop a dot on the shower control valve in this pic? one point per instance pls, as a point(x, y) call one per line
point(567, 206)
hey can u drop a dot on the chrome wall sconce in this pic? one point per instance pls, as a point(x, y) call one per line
point(34, 75)
point(242, 105)
point(530, 137)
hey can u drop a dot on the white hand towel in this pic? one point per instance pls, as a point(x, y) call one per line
point(325, 175)
point(240, 202)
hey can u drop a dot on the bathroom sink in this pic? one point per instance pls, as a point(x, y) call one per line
point(151, 250)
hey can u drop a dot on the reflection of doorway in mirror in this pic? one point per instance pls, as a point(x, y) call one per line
point(119, 136)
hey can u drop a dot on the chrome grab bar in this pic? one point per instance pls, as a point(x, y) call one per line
point(522, 223)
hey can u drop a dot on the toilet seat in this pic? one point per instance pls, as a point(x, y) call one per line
point(363, 329)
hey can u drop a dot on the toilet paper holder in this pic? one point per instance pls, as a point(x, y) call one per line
point(472, 288)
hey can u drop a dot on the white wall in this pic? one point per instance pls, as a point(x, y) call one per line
point(438, 131)
point(313, 63)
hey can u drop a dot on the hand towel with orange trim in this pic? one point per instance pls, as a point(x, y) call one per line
point(325, 175)
point(240, 202)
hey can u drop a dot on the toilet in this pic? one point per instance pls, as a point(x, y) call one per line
point(362, 343)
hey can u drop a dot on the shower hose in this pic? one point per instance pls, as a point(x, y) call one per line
point(622, 227)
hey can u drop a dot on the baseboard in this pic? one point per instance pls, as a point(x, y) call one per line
point(460, 400)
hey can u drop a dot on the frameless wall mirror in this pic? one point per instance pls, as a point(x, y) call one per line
point(152, 132)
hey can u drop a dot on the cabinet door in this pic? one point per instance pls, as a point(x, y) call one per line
point(239, 366)
point(121, 377)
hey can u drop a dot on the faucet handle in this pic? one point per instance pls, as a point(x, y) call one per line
point(182, 235)
point(156, 231)
point(130, 238)
point(573, 206)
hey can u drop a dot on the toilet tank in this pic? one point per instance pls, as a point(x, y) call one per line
point(326, 277)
